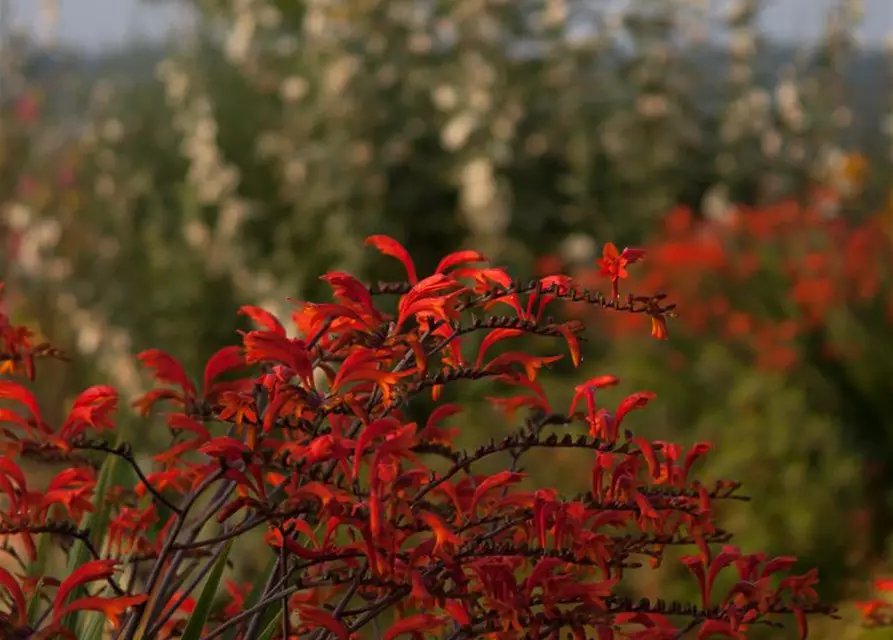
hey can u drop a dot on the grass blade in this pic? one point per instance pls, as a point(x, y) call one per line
point(256, 592)
point(38, 570)
point(272, 628)
point(202, 610)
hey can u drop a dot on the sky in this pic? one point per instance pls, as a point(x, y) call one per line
point(98, 24)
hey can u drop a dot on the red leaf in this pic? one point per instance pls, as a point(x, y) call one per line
point(724, 558)
point(503, 281)
point(459, 257)
point(349, 289)
point(13, 391)
point(540, 572)
point(93, 408)
point(495, 481)
point(182, 422)
point(802, 624)
point(492, 338)
point(89, 572)
point(635, 401)
point(225, 360)
point(632, 255)
point(718, 628)
point(782, 563)
point(427, 296)
point(693, 454)
point(390, 247)
point(442, 535)
point(375, 430)
point(530, 363)
point(458, 610)
point(645, 509)
point(9, 467)
point(695, 564)
point(145, 403)
point(573, 342)
point(111, 608)
point(270, 346)
point(263, 318)
point(587, 391)
point(20, 608)
point(415, 624)
point(649, 455)
point(647, 620)
point(224, 447)
point(442, 412)
point(313, 618)
point(432, 433)
point(166, 369)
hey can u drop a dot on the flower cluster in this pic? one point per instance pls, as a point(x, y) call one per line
point(371, 518)
point(878, 612)
point(770, 280)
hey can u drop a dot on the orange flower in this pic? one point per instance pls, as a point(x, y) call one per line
point(659, 328)
point(613, 264)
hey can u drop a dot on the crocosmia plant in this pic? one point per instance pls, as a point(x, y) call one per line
point(373, 524)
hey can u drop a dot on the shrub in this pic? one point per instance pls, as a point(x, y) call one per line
point(369, 517)
point(794, 298)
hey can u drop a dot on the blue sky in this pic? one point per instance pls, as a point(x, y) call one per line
point(101, 23)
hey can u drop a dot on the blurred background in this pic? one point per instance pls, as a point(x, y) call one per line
point(164, 162)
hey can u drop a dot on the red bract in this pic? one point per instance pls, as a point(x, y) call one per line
point(365, 511)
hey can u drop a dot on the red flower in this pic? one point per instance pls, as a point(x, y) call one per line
point(613, 264)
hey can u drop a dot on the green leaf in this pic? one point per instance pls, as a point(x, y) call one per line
point(93, 624)
point(256, 592)
point(202, 610)
point(37, 569)
point(260, 582)
point(271, 628)
point(112, 473)
point(95, 629)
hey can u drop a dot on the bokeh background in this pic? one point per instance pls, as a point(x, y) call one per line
point(163, 163)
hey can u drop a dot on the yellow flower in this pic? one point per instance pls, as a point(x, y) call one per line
point(853, 171)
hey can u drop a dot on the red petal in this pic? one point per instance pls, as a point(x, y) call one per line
point(414, 624)
point(111, 608)
point(14, 590)
point(442, 412)
point(390, 247)
point(632, 255)
point(693, 454)
point(313, 618)
point(648, 453)
point(166, 369)
point(14, 391)
point(459, 257)
point(495, 481)
point(492, 338)
point(227, 359)
point(349, 289)
point(718, 628)
point(263, 318)
point(89, 572)
point(635, 401)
